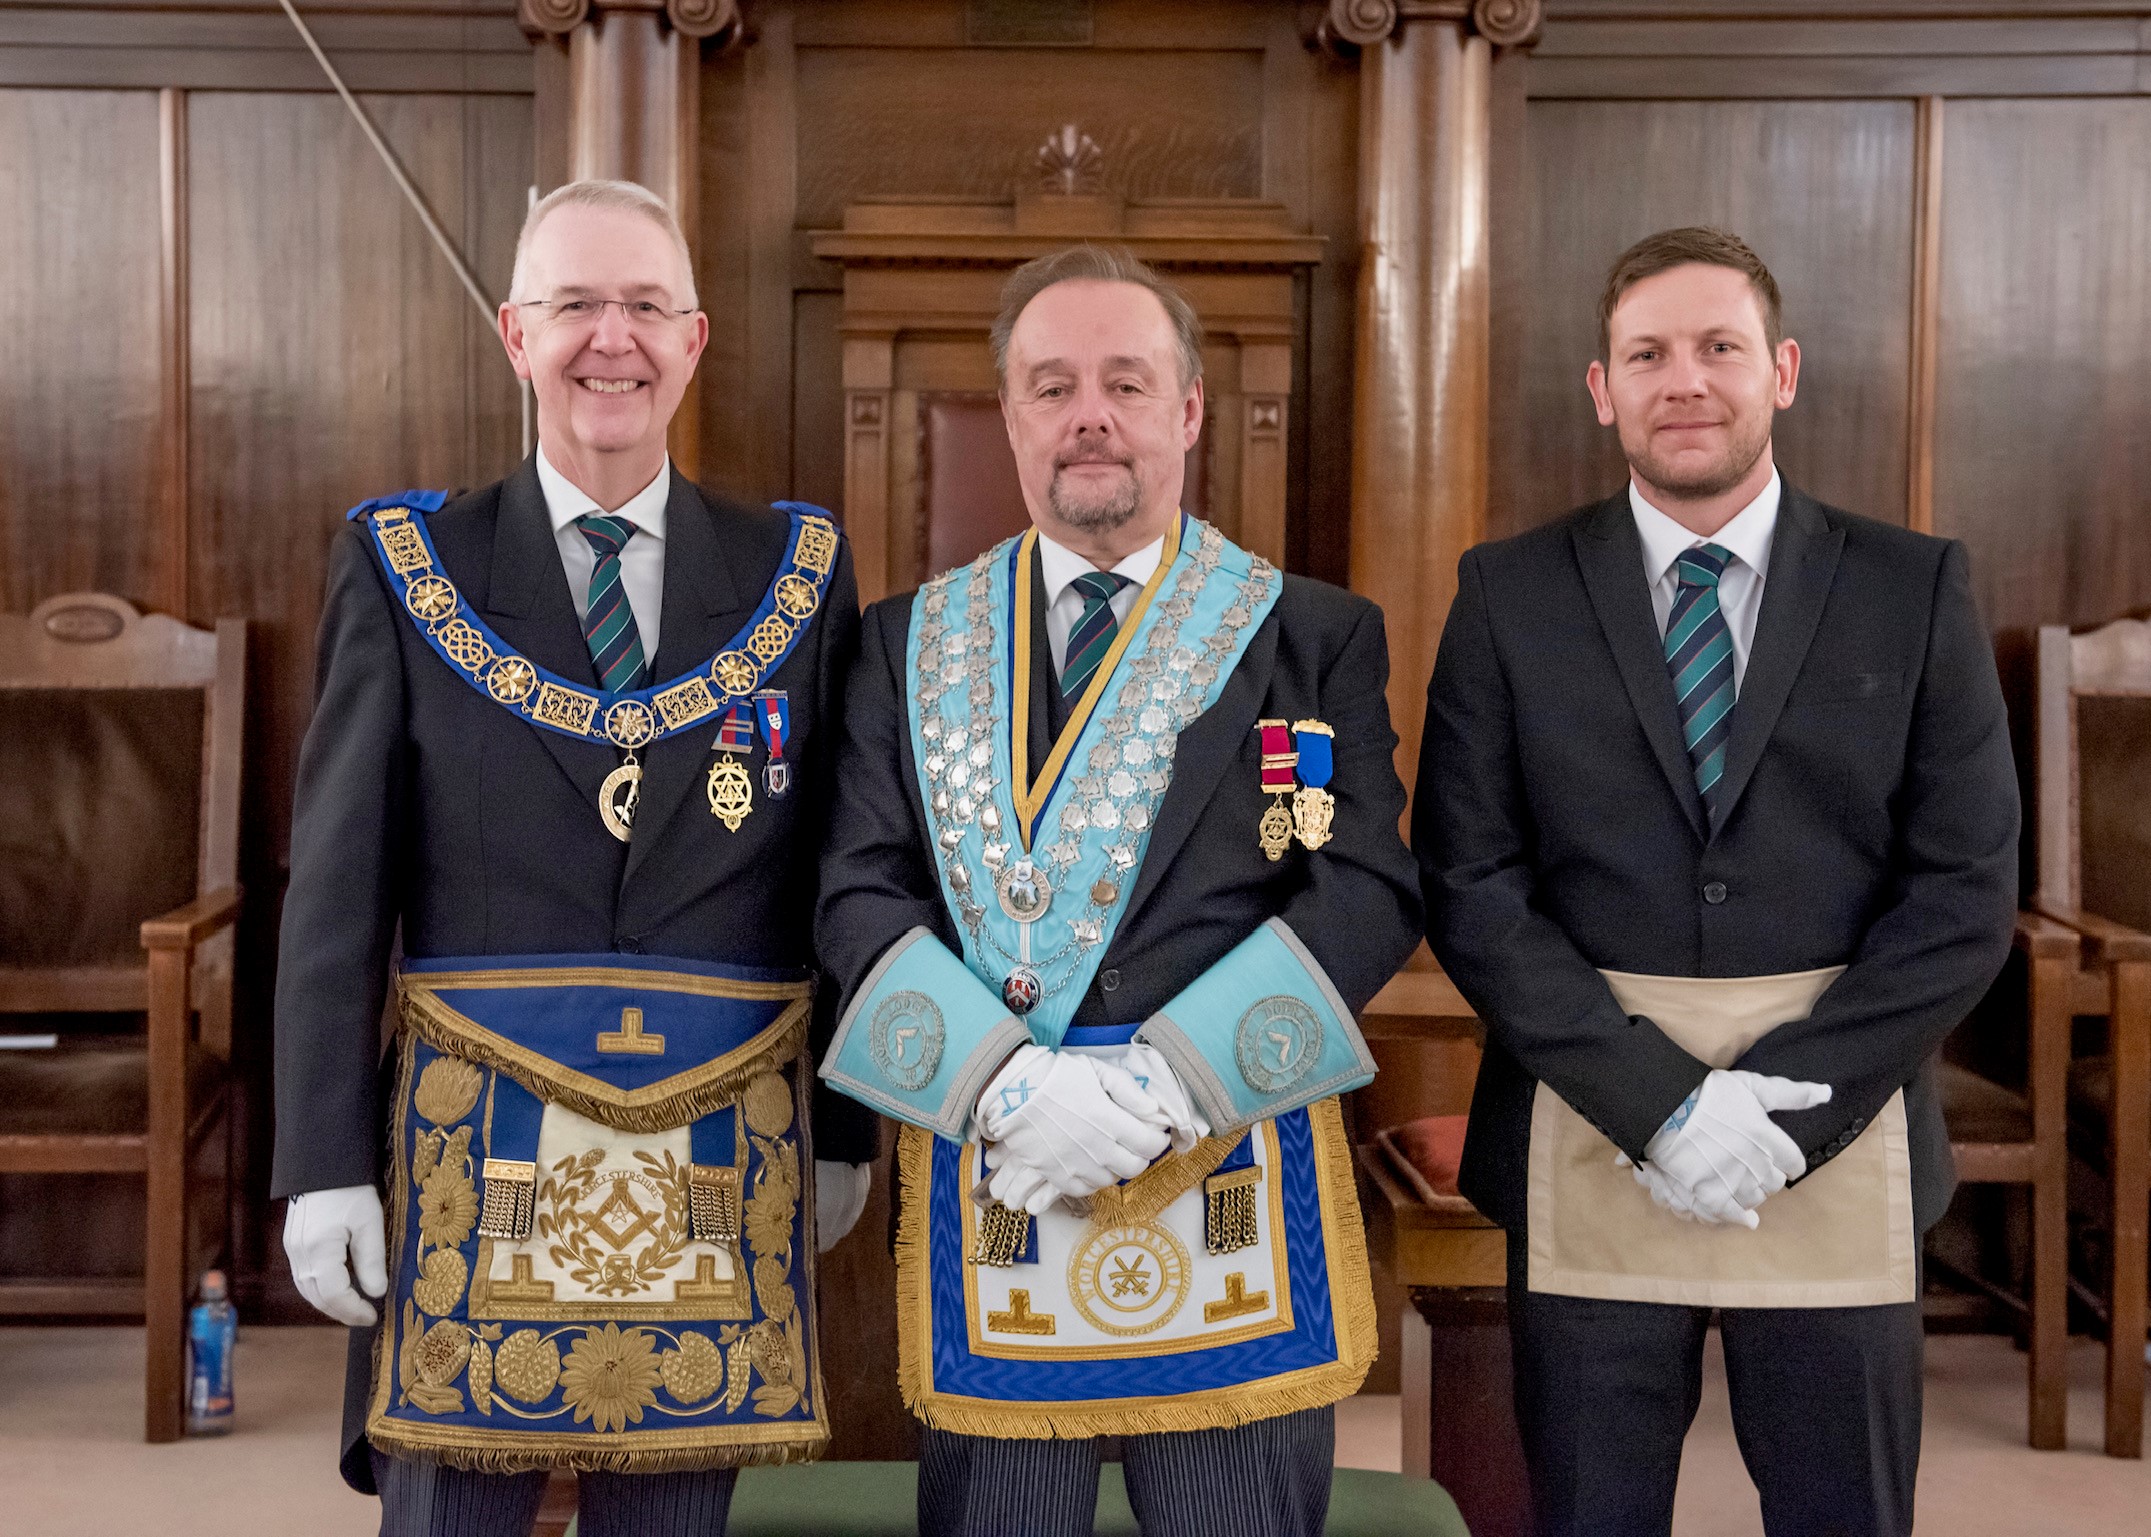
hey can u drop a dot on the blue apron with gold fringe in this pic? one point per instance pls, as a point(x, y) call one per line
point(599, 1256)
point(1224, 1285)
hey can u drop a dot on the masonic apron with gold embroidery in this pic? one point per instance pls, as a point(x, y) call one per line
point(1220, 1286)
point(599, 1256)
point(1842, 1237)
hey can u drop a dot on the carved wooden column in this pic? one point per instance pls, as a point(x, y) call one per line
point(1419, 426)
point(634, 96)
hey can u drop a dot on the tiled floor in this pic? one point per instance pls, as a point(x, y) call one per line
point(72, 1463)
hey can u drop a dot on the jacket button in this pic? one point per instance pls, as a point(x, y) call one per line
point(1109, 979)
point(631, 946)
point(1714, 893)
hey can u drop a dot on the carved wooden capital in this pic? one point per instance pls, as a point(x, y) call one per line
point(1508, 23)
point(718, 19)
point(1349, 24)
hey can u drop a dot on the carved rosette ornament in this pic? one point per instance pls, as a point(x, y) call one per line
point(1363, 23)
point(718, 19)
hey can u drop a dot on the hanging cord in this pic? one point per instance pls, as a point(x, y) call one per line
point(486, 309)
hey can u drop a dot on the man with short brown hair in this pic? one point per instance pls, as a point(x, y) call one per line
point(1114, 860)
point(1717, 829)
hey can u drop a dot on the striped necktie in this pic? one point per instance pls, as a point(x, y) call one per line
point(1093, 635)
point(609, 622)
point(1699, 654)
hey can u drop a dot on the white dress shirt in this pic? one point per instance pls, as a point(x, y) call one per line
point(1060, 566)
point(642, 559)
point(1740, 589)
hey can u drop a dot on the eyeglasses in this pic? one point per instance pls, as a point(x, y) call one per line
point(642, 315)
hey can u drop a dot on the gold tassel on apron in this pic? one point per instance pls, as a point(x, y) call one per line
point(1842, 1237)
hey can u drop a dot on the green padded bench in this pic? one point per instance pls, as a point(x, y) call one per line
point(879, 1499)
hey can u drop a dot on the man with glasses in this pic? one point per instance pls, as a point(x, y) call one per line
point(571, 736)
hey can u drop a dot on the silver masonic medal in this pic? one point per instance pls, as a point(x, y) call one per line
point(1023, 891)
point(776, 778)
point(1022, 990)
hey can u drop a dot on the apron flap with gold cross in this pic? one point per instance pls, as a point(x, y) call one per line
point(635, 1043)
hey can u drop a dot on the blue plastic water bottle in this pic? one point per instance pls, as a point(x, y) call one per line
point(211, 1328)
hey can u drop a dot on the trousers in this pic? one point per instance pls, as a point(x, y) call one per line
point(430, 1499)
point(1266, 1479)
point(1826, 1410)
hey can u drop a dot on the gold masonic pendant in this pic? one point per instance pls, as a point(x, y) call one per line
point(731, 792)
point(618, 797)
point(1275, 830)
point(1312, 811)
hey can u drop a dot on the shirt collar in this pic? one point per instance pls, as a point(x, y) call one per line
point(565, 501)
point(1059, 565)
point(1746, 537)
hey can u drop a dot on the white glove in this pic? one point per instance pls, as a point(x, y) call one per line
point(1722, 1149)
point(1079, 1122)
point(1015, 1183)
point(840, 1192)
point(320, 1227)
point(1663, 1192)
point(1176, 1112)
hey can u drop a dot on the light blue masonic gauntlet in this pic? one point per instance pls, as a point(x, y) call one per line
point(922, 1037)
point(1260, 1033)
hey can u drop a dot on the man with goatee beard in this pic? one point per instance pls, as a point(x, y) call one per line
point(1717, 829)
point(1105, 973)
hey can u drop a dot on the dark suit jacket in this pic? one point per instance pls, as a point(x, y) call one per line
point(1204, 884)
point(1868, 814)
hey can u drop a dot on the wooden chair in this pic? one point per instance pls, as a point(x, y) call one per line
point(2004, 1138)
point(2094, 882)
point(120, 752)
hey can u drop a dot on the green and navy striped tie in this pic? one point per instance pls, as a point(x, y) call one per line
point(1699, 654)
point(609, 622)
point(1093, 635)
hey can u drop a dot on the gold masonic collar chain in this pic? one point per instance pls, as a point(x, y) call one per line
point(554, 704)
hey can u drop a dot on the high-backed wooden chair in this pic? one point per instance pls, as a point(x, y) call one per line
point(2094, 849)
point(2002, 1137)
point(120, 759)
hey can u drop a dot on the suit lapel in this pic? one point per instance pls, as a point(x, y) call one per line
point(705, 604)
point(1611, 556)
point(528, 604)
point(1210, 745)
point(1803, 563)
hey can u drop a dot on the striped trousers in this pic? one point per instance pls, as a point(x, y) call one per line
point(429, 1499)
point(1268, 1479)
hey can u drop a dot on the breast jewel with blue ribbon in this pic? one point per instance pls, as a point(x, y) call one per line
point(630, 719)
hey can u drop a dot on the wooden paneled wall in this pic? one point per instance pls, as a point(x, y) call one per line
point(222, 325)
point(836, 100)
